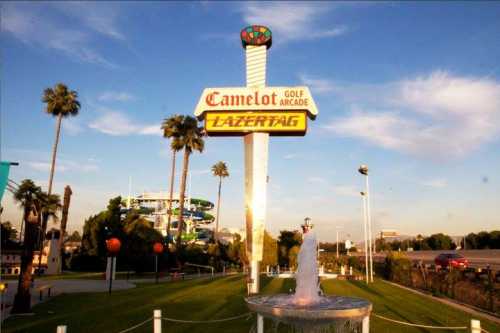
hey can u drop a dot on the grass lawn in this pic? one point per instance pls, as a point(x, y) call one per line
point(223, 297)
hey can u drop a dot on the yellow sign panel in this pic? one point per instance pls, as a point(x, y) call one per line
point(241, 122)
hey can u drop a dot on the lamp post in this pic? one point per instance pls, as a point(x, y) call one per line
point(363, 195)
point(113, 245)
point(363, 169)
point(157, 249)
point(337, 244)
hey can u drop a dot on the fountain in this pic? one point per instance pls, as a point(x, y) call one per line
point(307, 310)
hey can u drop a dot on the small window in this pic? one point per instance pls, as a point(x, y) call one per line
point(8, 257)
point(9, 271)
point(16, 271)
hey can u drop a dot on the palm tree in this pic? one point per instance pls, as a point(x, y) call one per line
point(171, 127)
point(191, 139)
point(219, 170)
point(28, 196)
point(51, 204)
point(61, 103)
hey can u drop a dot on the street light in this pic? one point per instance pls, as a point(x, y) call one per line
point(363, 195)
point(363, 169)
point(337, 245)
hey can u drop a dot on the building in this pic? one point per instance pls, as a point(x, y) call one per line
point(153, 206)
point(11, 258)
point(11, 261)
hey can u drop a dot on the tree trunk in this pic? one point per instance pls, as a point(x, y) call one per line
point(54, 153)
point(172, 179)
point(22, 300)
point(216, 234)
point(64, 222)
point(182, 194)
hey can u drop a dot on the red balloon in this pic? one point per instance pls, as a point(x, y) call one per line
point(113, 245)
point(158, 248)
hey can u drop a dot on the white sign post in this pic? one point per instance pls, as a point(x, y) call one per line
point(256, 112)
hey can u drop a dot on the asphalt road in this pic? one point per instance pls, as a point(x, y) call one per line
point(476, 258)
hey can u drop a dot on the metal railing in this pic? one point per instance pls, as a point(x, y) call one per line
point(475, 325)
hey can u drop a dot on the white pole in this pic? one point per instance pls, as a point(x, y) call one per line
point(366, 236)
point(157, 321)
point(260, 324)
point(129, 191)
point(475, 326)
point(256, 158)
point(370, 249)
point(337, 247)
point(366, 325)
point(61, 329)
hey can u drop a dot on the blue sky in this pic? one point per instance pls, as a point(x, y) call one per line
point(411, 89)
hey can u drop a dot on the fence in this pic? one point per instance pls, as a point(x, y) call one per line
point(475, 325)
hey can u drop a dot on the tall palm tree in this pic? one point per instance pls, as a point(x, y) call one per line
point(51, 204)
point(61, 103)
point(28, 196)
point(191, 139)
point(171, 130)
point(219, 169)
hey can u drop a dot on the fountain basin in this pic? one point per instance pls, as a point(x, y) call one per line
point(328, 309)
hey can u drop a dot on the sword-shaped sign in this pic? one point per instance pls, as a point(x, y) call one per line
point(255, 112)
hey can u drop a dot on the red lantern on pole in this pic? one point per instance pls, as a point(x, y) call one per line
point(113, 245)
point(158, 248)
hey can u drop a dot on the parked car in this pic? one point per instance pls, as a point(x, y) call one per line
point(454, 260)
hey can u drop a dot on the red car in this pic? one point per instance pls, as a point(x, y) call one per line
point(454, 260)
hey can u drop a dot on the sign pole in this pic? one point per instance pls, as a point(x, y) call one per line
point(256, 159)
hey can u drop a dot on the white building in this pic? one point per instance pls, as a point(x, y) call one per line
point(154, 208)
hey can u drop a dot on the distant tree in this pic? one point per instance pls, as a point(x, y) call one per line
point(287, 240)
point(270, 251)
point(171, 130)
point(74, 237)
point(98, 227)
point(440, 242)
point(293, 255)
point(235, 248)
point(495, 239)
point(483, 240)
point(8, 234)
point(28, 197)
point(191, 139)
point(139, 240)
point(219, 170)
point(61, 103)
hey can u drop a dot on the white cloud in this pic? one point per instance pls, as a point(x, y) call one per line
point(72, 126)
point(318, 85)
point(64, 166)
point(346, 190)
point(34, 25)
point(116, 96)
point(290, 156)
point(100, 17)
point(438, 115)
point(314, 179)
point(292, 20)
point(116, 123)
point(435, 183)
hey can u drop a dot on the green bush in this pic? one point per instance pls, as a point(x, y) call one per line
point(397, 268)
